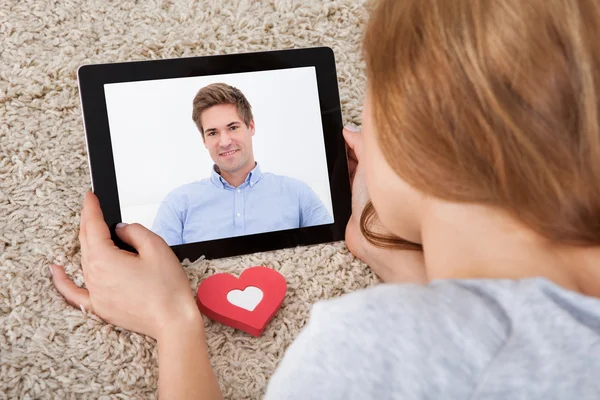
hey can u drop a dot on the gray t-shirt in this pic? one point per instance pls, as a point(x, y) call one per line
point(452, 339)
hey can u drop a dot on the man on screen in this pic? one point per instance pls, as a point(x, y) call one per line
point(238, 198)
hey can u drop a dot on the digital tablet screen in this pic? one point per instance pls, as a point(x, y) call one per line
point(211, 157)
point(220, 155)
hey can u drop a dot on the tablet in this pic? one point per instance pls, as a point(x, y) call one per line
point(220, 155)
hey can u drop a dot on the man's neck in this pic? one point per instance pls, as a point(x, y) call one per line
point(238, 177)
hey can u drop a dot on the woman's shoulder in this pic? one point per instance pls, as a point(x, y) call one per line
point(366, 343)
point(501, 298)
point(456, 310)
point(486, 309)
point(415, 339)
point(405, 302)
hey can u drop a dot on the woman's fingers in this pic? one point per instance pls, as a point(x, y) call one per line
point(96, 232)
point(352, 169)
point(354, 142)
point(83, 239)
point(76, 296)
point(351, 154)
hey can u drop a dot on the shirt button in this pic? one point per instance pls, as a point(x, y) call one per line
point(239, 215)
point(239, 190)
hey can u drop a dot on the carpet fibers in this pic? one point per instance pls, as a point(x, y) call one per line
point(51, 350)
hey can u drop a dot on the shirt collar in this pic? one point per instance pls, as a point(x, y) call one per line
point(252, 178)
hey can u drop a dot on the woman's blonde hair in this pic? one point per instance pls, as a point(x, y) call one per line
point(493, 102)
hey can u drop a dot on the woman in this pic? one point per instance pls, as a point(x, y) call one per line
point(480, 147)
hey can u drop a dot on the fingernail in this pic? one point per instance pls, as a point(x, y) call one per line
point(352, 128)
point(51, 271)
point(121, 225)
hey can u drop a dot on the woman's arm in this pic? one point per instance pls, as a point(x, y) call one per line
point(148, 293)
point(183, 366)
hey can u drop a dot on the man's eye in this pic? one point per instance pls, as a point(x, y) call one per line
point(233, 128)
point(211, 133)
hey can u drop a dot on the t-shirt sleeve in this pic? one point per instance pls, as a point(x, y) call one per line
point(168, 223)
point(395, 341)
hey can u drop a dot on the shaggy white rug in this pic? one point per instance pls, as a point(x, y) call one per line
point(47, 348)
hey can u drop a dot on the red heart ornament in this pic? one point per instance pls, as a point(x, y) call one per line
point(246, 303)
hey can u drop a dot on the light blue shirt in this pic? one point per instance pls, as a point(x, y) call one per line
point(213, 209)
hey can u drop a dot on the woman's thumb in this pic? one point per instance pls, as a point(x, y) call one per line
point(136, 235)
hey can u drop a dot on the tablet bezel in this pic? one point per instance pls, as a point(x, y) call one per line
point(93, 77)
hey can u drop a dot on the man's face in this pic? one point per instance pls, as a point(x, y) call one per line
point(227, 138)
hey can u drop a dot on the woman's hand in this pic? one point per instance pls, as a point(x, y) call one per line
point(355, 241)
point(143, 292)
point(391, 265)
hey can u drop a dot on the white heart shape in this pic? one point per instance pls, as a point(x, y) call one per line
point(247, 299)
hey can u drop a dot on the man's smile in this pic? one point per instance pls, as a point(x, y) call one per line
point(228, 153)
